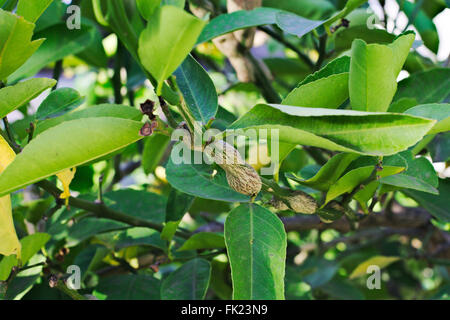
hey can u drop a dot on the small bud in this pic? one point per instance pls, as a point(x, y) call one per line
point(345, 23)
point(241, 177)
point(53, 281)
point(147, 129)
point(147, 108)
point(299, 202)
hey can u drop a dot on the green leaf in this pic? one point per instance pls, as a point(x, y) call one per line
point(32, 244)
point(177, 206)
point(356, 177)
point(316, 271)
point(420, 175)
point(439, 147)
point(424, 25)
point(101, 110)
point(15, 43)
point(138, 287)
point(437, 205)
point(138, 203)
point(90, 227)
point(402, 104)
point(327, 88)
point(176, 3)
point(24, 281)
point(170, 35)
point(337, 66)
point(328, 92)
point(439, 112)
point(51, 16)
point(60, 100)
point(198, 90)
point(94, 54)
point(68, 145)
point(59, 43)
point(220, 277)
point(430, 86)
point(154, 148)
point(296, 25)
point(147, 7)
point(32, 9)
point(230, 22)
point(13, 97)
point(256, 245)
point(329, 173)
point(343, 39)
point(311, 9)
point(199, 180)
point(373, 72)
point(189, 282)
point(138, 237)
point(204, 240)
point(379, 261)
point(349, 7)
point(340, 130)
point(342, 289)
point(6, 265)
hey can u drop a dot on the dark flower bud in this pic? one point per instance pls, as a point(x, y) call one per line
point(147, 108)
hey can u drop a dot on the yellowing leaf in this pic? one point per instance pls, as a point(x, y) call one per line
point(66, 178)
point(9, 243)
point(379, 261)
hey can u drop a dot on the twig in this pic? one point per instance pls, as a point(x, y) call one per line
point(165, 109)
point(10, 135)
point(116, 79)
point(102, 211)
point(287, 44)
point(61, 286)
point(57, 71)
point(30, 131)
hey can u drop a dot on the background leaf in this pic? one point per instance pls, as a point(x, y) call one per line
point(430, 86)
point(380, 261)
point(329, 173)
point(204, 240)
point(32, 9)
point(189, 282)
point(139, 287)
point(296, 25)
point(437, 205)
point(74, 41)
point(60, 100)
point(439, 112)
point(230, 22)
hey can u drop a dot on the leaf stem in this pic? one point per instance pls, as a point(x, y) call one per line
point(287, 44)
